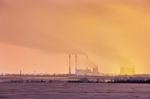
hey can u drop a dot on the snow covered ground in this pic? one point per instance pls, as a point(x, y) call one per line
point(73, 91)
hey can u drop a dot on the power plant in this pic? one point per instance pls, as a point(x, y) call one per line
point(87, 75)
point(92, 70)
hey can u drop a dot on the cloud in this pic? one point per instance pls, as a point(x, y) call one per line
point(65, 26)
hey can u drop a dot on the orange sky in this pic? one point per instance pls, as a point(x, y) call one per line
point(36, 35)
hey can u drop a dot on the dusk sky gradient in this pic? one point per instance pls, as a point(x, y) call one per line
point(37, 35)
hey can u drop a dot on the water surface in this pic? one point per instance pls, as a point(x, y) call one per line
point(73, 91)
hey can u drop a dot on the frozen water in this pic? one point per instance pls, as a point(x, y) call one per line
point(73, 91)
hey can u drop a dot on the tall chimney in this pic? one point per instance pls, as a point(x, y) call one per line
point(69, 64)
point(76, 59)
point(20, 73)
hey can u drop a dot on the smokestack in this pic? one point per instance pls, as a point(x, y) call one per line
point(20, 73)
point(76, 59)
point(69, 64)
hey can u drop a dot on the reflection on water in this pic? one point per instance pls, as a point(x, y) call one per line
point(73, 91)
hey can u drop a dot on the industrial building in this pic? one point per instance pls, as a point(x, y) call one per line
point(127, 70)
point(92, 70)
point(87, 71)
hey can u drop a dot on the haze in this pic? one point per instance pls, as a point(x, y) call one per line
point(37, 35)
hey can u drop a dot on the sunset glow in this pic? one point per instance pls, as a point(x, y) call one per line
point(36, 36)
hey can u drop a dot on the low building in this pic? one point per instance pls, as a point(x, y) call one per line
point(87, 71)
point(127, 71)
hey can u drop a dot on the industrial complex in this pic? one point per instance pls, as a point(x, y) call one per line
point(93, 69)
point(89, 74)
point(88, 70)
